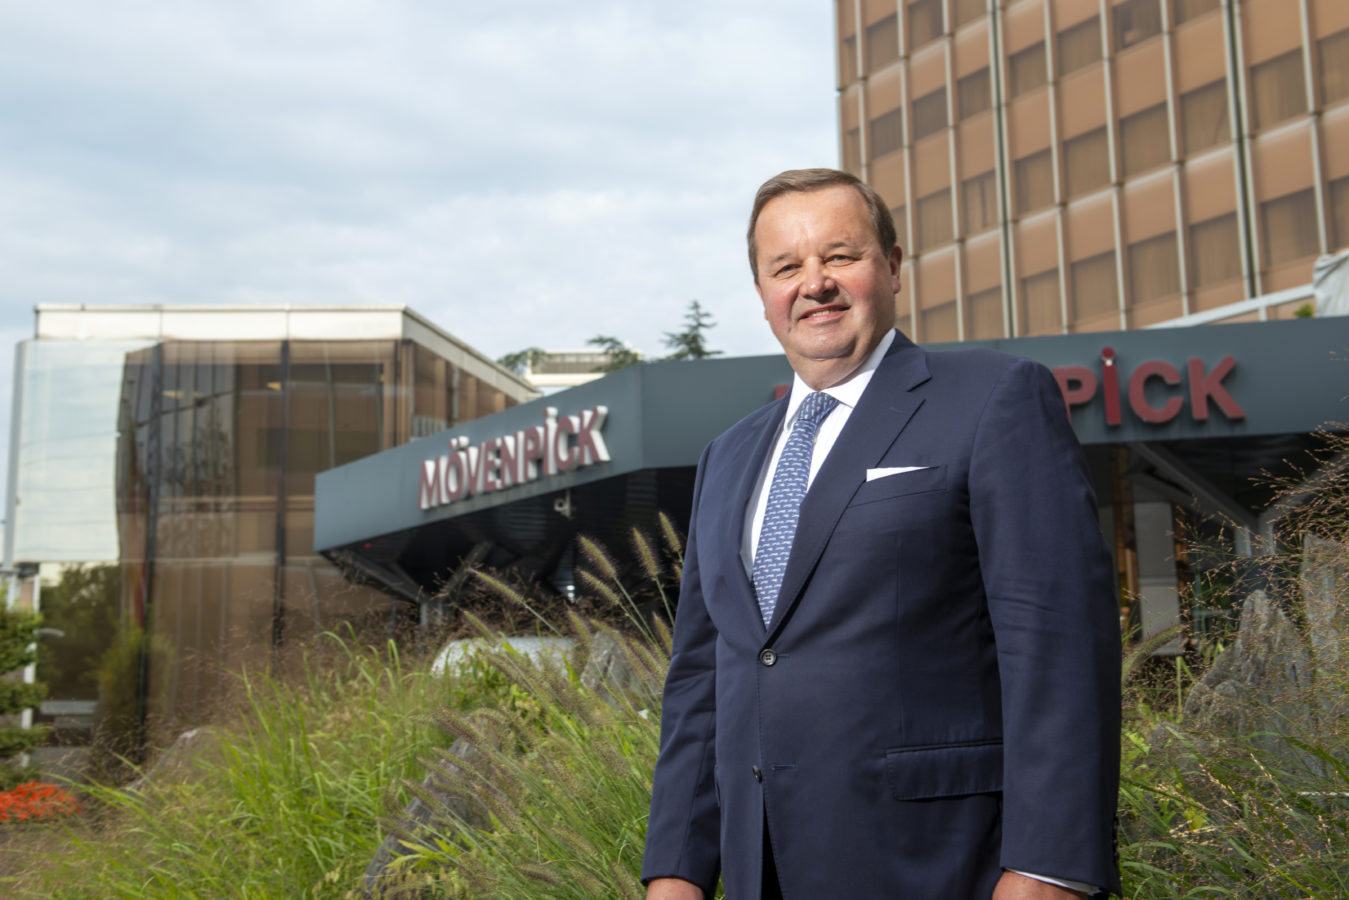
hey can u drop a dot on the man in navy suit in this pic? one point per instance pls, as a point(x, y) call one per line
point(928, 704)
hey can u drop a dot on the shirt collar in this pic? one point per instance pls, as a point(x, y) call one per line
point(849, 390)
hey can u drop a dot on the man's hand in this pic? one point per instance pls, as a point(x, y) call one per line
point(673, 889)
point(1015, 886)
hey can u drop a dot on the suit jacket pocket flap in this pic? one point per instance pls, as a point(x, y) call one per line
point(946, 771)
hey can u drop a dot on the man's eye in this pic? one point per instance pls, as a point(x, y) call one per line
point(840, 257)
point(786, 270)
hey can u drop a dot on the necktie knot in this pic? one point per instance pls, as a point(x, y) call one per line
point(815, 407)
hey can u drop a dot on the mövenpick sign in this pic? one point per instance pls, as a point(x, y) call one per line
point(1079, 386)
point(560, 444)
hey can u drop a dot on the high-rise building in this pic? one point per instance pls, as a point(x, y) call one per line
point(1086, 165)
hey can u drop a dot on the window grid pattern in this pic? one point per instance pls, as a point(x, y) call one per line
point(1092, 174)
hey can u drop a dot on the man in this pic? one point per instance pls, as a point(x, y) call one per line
point(906, 684)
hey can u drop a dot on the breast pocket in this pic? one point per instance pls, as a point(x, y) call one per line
point(903, 484)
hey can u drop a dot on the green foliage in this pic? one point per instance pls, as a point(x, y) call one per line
point(619, 354)
point(83, 606)
point(1212, 813)
point(118, 735)
point(551, 802)
point(283, 803)
point(18, 632)
point(521, 360)
point(1305, 311)
point(691, 343)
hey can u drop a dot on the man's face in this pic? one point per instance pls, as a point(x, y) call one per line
point(828, 288)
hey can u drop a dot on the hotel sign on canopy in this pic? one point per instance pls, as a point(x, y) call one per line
point(561, 444)
point(1081, 386)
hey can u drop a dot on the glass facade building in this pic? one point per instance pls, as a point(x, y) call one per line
point(162, 480)
point(1062, 166)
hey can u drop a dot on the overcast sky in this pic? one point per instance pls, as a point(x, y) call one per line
point(522, 173)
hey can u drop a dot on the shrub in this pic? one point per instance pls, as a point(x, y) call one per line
point(18, 634)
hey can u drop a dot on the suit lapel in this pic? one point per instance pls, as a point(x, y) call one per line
point(754, 451)
point(885, 408)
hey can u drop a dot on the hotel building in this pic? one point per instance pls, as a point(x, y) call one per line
point(1060, 166)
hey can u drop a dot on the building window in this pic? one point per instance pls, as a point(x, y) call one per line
point(1040, 310)
point(882, 43)
point(934, 220)
point(1332, 54)
point(963, 11)
point(979, 202)
point(974, 94)
point(1339, 212)
point(1034, 182)
point(924, 22)
point(939, 323)
point(887, 133)
point(1080, 46)
point(1136, 21)
point(1203, 117)
point(1193, 9)
point(847, 59)
point(1026, 69)
point(901, 225)
point(929, 114)
point(1215, 250)
point(1094, 286)
point(1278, 89)
point(1086, 162)
point(1288, 228)
point(1143, 140)
point(1154, 269)
point(852, 150)
point(983, 315)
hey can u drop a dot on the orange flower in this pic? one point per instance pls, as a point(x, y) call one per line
point(36, 800)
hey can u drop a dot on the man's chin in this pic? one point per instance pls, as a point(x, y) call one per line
point(826, 369)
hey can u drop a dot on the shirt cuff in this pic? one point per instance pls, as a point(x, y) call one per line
point(1087, 889)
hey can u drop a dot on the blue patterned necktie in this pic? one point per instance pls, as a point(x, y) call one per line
point(784, 501)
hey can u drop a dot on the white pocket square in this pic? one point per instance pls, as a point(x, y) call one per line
point(873, 474)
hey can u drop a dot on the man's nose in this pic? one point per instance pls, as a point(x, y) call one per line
point(817, 282)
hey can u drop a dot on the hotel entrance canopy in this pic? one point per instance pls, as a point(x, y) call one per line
point(1204, 409)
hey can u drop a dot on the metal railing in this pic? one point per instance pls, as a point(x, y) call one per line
point(1261, 304)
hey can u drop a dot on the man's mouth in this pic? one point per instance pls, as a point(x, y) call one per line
point(823, 311)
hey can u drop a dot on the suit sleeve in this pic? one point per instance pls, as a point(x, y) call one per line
point(683, 834)
point(1051, 599)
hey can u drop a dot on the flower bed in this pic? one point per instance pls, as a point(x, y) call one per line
point(36, 800)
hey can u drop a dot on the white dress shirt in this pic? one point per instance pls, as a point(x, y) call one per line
point(847, 392)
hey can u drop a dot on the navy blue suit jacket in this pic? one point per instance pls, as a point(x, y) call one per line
point(942, 696)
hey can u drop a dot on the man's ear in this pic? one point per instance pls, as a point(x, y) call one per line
point(758, 290)
point(896, 257)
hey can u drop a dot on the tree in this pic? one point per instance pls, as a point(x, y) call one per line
point(521, 360)
point(620, 354)
point(18, 634)
point(82, 620)
point(690, 343)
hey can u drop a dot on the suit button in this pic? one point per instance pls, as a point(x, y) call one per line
point(768, 657)
point(758, 776)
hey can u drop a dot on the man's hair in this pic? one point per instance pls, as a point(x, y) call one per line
point(801, 181)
